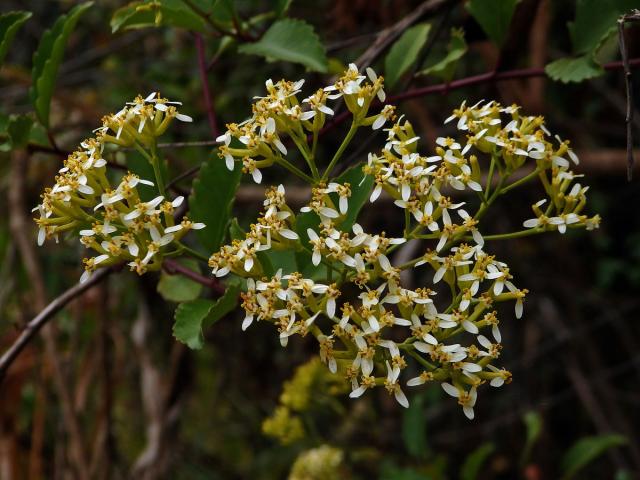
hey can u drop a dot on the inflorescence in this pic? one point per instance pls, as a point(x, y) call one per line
point(452, 333)
point(450, 327)
point(105, 209)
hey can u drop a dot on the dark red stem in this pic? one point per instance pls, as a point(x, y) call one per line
point(466, 82)
point(208, 101)
point(172, 267)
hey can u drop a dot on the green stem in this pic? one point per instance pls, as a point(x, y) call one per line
point(407, 222)
point(293, 169)
point(483, 208)
point(309, 158)
point(314, 147)
point(345, 143)
point(409, 264)
point(157, 171)
point(523, 180)
point(322, 260)
point(481, 211)
point(192, 252)
point(421, 360)
point(154, 160)
point(518, 234)
point(490, 176)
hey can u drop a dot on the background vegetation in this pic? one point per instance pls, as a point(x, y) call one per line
point(106, 391)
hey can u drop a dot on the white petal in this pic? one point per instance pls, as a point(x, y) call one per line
point(468, 411)
point(497, 382)
point(470, 327)
point(358, 392)
point(248, 320)
point(375, 194)
point(414, 382)
point(401, 398)
point(290, 234)
point(450, 389)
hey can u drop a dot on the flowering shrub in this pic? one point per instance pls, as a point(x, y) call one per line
point(369, 338)
point(365, 238)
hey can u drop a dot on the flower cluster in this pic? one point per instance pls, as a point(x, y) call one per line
point(322, 463)
point(308, 390)
point(257, 142)
point(368, 325)
point(110, 216)
point(272, 230)
point(515, 141)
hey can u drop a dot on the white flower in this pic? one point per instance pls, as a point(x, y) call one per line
point(562, 221)
point(144, 208)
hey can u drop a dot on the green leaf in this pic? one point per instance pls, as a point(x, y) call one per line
point(595, 21)
point(533, 423)
point(19, 130)
point(404, 53)
point(188, 322)
point(567, 70)
point(223, 11)
point(47, 58)
point(587, 449)
point(224, 305)
point(474, 462)
point(144, 14)
point(211, 199)
point(283, 259)
point(177, 288)
point(10, 23)
point(291, 41)
point(267, 265)
point(282, 7)
point(235, 230)
point(446, 67)
point(414, 428)
point(192, 317)
point(494, 16)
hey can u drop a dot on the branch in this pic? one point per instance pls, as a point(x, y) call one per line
point(202, 67)
point(627, 82)
point(32, 328)
point(172, 267)
point(197, 143)
point(45, 315)
point(186, 174)
point(488, 77)
point(19, 225)
point(388, 35)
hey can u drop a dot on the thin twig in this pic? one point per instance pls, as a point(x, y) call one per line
point(202, 67)
point(199, 143)
point(186, 174)
point(173, 267)
point(388, 35)
point(627, 81)
point(45, 315)
point(20, 230)
point(488, 77)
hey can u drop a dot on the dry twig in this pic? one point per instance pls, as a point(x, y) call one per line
point(634, 16)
